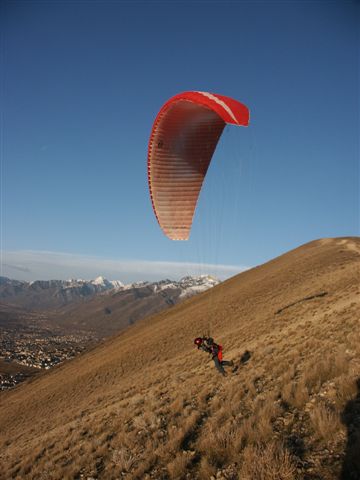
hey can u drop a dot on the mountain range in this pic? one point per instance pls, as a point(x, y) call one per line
point(53, 294)
point(98, 308)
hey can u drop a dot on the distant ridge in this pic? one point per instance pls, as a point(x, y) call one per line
point(116, 309)
point(50, 294)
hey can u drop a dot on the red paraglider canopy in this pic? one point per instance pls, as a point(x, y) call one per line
point(182, 142)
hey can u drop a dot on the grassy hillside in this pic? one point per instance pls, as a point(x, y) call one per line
point(147, 404)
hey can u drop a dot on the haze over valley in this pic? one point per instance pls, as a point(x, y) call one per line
point(44, 323)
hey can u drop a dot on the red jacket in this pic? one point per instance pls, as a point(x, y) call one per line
point(214, 349)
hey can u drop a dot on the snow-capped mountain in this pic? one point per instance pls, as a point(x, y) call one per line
point(107, 284)
point(189, 285)
point(44, 294)
point(113, 310)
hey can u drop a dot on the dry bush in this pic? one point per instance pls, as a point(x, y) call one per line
point(346, 390)
point(221, 441)
point(257, 428)
point(263, 430)
point(287, 392)
point(178, 467)
point(206, 470)
point(216, 403)
point(277, 367)
point(250, 388)
point(179, 435)
point(221, 416)
point(296, 394)
point(204, 396)
point(265, 413)
point(270, 462)
point(353, 340)
point(162, 452)
point(102, 451)
point(144, 465)
point(147, 420)
point(271, 407)
point(326, 423)
point(236, 393)
point(177, 406)
point(289, 374)
point(301, 394)
point(137, 400)
point(139, 422)
point(220, 444)
point(124, 459)
point(318, 373)
point(340, 363)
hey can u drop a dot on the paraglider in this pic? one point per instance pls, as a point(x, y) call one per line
point(182, 142)
point(208, 345)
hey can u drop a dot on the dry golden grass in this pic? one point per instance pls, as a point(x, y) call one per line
point(124, 459)
point(147, 405)
point(177, 468)
point(268, 462)
point(326, 422)
point(206, 469)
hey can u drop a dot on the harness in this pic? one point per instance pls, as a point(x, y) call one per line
point(214, 349)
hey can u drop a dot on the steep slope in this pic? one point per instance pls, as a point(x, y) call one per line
point(146, 404)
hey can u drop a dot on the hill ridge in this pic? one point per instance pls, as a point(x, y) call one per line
point(146, 404)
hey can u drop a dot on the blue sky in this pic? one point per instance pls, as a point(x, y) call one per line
point(81, 84)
